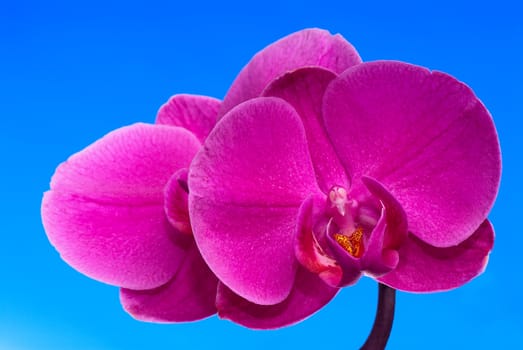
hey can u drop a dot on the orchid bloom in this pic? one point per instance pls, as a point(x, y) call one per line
point(383, 169)
point(111, 216)
point(117, 211)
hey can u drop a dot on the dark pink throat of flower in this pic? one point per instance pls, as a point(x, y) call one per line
point(351, 235)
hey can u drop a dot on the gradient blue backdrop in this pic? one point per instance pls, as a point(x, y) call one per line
point(69, 73)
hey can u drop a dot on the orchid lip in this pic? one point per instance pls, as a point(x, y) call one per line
point(350, 234)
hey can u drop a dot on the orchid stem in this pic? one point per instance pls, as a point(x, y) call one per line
point(379, 335)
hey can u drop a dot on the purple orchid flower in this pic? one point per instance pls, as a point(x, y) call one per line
point(117, 211)
point(110, 217)
point(385, 169)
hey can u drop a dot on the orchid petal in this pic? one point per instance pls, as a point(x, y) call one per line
point(308, 295)
point(256, 156)
point(195, 113)
point(250, 249)
point(104, 212)
point(304, 89)
point(423, 268)
point(246, 186)
point(350, 266)
point(425, 136)
point(310, 47)
point(189, 296)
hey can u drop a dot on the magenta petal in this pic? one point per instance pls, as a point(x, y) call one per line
point(104, 212)
point(122, 245)
point(131, 164)
point(257, 156)
point(304, 89)
point(193, 112)
point(189, 296)
point(423, 268)
point(350, 266)
point(250, 249)
point(246, 185)
point(309, 47)
point(308, 295)
point(425, 136)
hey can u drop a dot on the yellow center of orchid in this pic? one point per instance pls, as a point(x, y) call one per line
point(352, 243)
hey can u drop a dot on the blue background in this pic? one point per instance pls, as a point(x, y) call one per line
point(71, 73)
